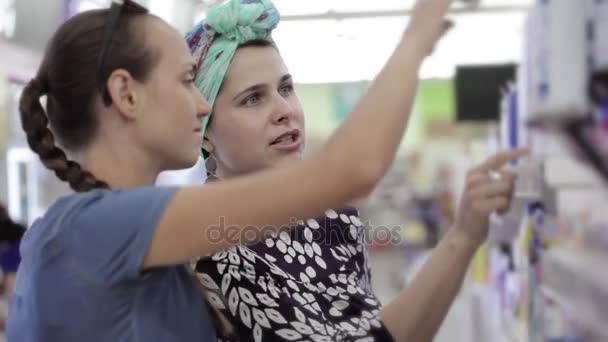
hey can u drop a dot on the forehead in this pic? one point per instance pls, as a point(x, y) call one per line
point(173, 47)
point(253, 65)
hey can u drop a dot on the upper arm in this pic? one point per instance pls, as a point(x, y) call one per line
point(202, 220)
point(107, 234)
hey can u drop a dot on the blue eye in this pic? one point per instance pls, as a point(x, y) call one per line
point(286, 90)
point(251, 100)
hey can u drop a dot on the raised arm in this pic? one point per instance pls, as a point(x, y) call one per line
point(336, 175)
point(418, 311)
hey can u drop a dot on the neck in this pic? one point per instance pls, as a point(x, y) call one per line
point(224, 173)
point(221, 172)
point(120, 167)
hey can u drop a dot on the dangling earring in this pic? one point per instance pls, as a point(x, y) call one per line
point(210, 165)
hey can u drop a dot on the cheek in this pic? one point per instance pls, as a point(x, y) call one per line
point(183, 97)
point(238, 147)
point(300, 117)
point(240, 144)
point(180, 105)
point(167, 112)
point(298, 112)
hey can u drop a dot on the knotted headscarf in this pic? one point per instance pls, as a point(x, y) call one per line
point(214, 41)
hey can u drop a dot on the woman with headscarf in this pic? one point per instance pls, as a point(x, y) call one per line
point(312, 283)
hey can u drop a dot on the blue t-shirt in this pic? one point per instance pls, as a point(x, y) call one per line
point(80, 279)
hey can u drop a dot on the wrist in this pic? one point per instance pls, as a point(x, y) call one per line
point(411, 44)
point(462, 241)
point(415, 44)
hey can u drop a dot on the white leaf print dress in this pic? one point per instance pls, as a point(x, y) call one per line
point(311, 283)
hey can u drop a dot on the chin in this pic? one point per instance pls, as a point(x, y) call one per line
point(184, 163)
point(296, 156)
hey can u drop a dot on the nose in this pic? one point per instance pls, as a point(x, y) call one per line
point(203, 107)
point(284, 110)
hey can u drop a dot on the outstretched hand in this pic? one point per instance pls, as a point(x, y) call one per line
point(488, 189)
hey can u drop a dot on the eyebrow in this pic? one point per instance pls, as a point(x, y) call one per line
point(260, 86)
point(286, 78)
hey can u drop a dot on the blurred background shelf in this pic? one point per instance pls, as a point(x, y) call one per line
point(574, 280)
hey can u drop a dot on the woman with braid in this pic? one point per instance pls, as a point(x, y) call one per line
point(312, 283)
point(111, 261)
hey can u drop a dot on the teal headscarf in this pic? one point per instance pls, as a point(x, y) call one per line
point(214, 41)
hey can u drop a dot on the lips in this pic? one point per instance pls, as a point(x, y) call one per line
point(288, 142)
point(287, 138)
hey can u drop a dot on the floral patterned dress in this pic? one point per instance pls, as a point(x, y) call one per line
point(311, 283)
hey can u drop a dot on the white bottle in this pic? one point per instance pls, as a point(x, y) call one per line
point(562, 61)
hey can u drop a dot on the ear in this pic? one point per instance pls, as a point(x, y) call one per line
point(208, 145)
point(122, 88)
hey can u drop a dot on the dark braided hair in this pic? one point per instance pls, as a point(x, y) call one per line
point(69, 79)
point(41, 140)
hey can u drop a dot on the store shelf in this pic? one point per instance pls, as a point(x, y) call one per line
point(578, 281)
point(585, 137)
